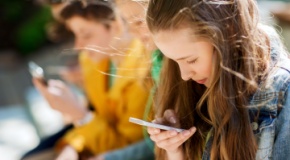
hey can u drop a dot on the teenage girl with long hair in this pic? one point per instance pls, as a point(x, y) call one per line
point(226, 80)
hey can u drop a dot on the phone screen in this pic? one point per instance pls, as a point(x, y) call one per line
point(154, 125)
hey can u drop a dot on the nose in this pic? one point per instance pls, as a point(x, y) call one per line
point(186, 72)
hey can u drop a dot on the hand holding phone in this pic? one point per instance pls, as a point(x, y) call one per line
point(153, 125)
point(37, 72)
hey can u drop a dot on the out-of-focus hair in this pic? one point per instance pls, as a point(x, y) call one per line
point(97, 10)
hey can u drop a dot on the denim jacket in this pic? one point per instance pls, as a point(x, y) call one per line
point(272, 101)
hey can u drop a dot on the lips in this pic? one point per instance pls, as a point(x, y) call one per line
point(201, 81)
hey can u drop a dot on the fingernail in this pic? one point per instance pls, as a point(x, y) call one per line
point(186, 133)
point(172, 120)
point(193, 129)
point(156, 131)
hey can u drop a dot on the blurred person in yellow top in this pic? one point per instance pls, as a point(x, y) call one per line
point(134, 12)
point(115, 68)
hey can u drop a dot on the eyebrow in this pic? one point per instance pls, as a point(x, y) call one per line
point(134, 17)
point(182, 58)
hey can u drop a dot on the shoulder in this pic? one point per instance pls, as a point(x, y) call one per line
point(277, 80)
point(272, 91)
point(278, 76)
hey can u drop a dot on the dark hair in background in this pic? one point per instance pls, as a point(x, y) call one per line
point(57, 32)
point(52, 2)
point(97, 10)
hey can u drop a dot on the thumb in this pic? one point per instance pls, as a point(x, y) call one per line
point(171, 117)
point(39, 85)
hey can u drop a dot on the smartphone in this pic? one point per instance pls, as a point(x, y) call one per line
point(154, 125)
point(37, 72)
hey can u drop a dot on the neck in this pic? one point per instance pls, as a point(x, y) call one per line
point(150, 46)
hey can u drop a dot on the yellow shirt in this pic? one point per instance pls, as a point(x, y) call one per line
point(127, 97)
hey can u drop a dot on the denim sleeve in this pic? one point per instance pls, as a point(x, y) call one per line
point(281, 148)
point(142, 150)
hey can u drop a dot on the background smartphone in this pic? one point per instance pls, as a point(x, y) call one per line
point(154, 125)
point(37, 72)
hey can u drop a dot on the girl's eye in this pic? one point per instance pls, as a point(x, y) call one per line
point(87, 36)
point(138, 22)
point(192, 62)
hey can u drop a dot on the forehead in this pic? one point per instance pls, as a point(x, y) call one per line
point(131, 9)
point(173, 37)
point(179, 43)
point(173, 41)
point(77, 21)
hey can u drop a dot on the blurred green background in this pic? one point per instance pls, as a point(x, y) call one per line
point(23, 25)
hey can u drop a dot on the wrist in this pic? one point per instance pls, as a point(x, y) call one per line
point(86, 118)
point(178, 154)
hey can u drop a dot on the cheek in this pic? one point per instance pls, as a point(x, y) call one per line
point(101, 40)
point(143, 29)
point(138, 30)
point(204, 69)
point(208, 64)
point(135, 31)
point(208, 70)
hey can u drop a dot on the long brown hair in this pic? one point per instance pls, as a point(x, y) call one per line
point(242, 49)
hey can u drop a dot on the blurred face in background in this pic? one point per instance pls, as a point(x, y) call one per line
point(134, 13)
point(91, 34)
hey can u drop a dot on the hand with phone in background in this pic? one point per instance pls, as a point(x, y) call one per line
point(70, 71)
point(169, 139)
point(37, 72)
point(58, 94)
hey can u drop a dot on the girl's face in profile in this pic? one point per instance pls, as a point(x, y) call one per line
point(134, 14)
point(89, 33)
point(195, 57)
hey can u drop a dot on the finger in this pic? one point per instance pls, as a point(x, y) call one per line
point(178, 139)
point(170, 116)
point(153, 131)
point(55, 91)
point(159, 120)
point(163, 135)
point(175, 142)
point(57, 87)
point(37, 83)
point(56, 83)
point(40, 87)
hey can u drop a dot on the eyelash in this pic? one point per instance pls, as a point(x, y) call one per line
point(192, 62)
